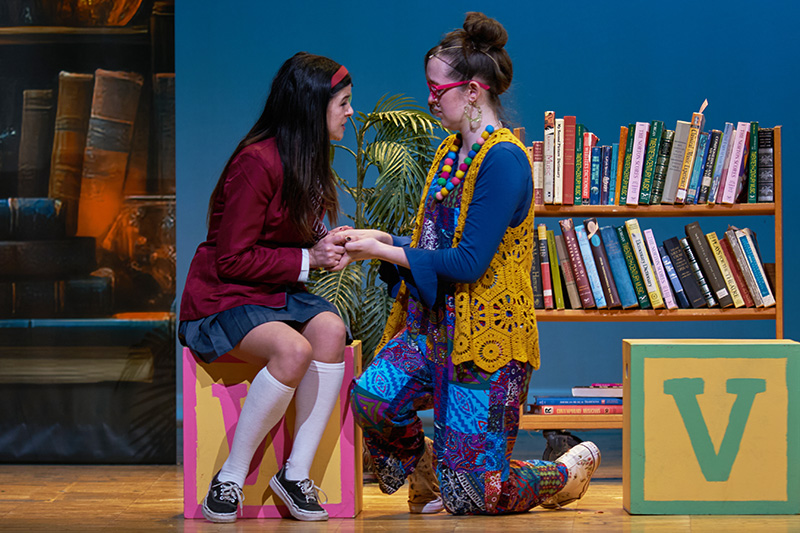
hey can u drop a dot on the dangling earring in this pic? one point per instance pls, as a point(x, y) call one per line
point(476, 121)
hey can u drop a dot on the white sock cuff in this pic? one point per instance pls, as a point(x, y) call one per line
point(326, 368)
point(273, 381)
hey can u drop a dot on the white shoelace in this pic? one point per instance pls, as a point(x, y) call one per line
point(310, 490)
point(231, 492)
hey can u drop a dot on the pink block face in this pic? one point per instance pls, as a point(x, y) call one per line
point(213, 395)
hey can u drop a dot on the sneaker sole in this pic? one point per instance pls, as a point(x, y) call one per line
point(219, 518)
point(595, 452)
point(293, 509)
point(431, 507)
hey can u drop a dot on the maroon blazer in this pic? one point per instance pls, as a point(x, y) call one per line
point(252, 253)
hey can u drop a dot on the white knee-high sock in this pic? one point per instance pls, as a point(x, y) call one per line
point(264, 406)
point(315, 399)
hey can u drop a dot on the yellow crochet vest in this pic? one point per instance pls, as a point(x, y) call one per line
point(495, 319)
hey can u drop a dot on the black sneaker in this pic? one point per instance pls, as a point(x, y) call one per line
point(222, 501)
point(299, 496)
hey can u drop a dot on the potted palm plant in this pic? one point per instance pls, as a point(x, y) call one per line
point(396, 139)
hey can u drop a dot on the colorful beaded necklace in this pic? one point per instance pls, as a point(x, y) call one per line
point(445, 182)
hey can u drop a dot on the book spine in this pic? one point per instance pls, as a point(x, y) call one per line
point(544, 257)
point(568, 273)
point(594, 180)
point(637, 243)
point(549, 156)
point(699, 167)
point(708, 264)
point(85, 297)
point(662, 162)
point(658, 267)
point(626, 166)
point(738, 276)
point(650, 159)
point(605, 174)
point(721, 163)
point(689, 282)
point(519, 133)
point(577, 410)
point(569, 160)
point(616, 260)
point(740, 147)
point(589, 140)
point(766, 165)
point(613, 187)
point(23, 219)
point(752, 165)
point(591, 268)
point(536, 278)
point(571, 400)
point(708, 170)
point(620, 162)
point(696, 126)
point(538, 172)
point(698, 273)
point(558, 293)
point(164, 87)
point(741, 261)
point(633, 268)
point(114, 103)
point(47, 259)
point(558, 163)
point(748, 248)
point(35, 144)
point(578, 267)
point(637, 162)
point(601, 260)
point(674, 280)
point(725, 269)
point(596, 391)
point(580, 129)
point(673, 175)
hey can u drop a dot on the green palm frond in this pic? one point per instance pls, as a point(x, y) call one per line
point(343, 289)
point(374, 313)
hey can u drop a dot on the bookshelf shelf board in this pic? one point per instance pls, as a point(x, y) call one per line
point(718, 210)
point(650, 315)
point(27, 35)
point(540, 422)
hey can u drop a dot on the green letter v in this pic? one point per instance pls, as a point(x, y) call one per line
point(715, 466)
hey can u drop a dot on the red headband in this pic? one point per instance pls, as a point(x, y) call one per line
point(339, 76)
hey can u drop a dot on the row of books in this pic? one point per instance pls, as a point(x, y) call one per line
point(596, 399)
point(591, 267)
point(653, 165)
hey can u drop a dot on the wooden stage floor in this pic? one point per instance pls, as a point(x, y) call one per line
point(149, 498)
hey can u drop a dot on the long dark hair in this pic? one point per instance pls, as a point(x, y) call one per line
point(295, 114)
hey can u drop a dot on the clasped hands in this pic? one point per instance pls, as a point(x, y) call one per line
point(343, 245)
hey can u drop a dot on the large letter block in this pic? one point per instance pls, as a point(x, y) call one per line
point(711, 426)
point(213, 395)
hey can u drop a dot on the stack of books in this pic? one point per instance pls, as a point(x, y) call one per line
point(596, 399)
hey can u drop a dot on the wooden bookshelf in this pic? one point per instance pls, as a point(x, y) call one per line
point(650, 315)
point(653, 211)
point(540, 422)
point(27, 35)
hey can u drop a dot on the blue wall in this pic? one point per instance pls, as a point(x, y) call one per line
point(607, 63)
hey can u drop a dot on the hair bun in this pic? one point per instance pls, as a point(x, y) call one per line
point(485, 32)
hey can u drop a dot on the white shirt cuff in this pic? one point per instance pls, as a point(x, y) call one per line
point(304, 267)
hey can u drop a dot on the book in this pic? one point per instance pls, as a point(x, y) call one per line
point(699, 167)
point(591, 267)
point(662, 162)
point(602, 263)
point(549, 156)
point(544, 261)
point(744, 268)
point(673, 175)
point(597, 391)
point(766, 165)
point(623, 143)
point(536, 278)
point(616, 260)
point(643, 261)
point(723, 156)
point(589, 141)
point(708, 264)
point(684, 270)
point(714, 139)
point(519, 133)
point(725, 269)
point(572, 400)
point(637, 162)
point(558, 293)
point(594, 177)
point(114, 103)
point(558, 163)
point(674, 280)
point(47, 259)
point(633, 267)
point(69, 140)
point(740, 148)
point(650, 158)
point(605, 174)
point(615, 169)
point(10, 109)
point(752, 165)
point(35, 143)
point(23, 219)
point(537, 161)
point(658, 268)
point(698, 273)
point(756, 266)
point(695, 127)
point(577, 409)
point(138, 180)
point(162, 36)
point(578, 267)
point(580, 129)
point(84, 297)
point(569, 160)
point(738, 276)
point(626, 164)
point(568, 273)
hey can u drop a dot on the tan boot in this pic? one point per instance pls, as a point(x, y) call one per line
point(424, 496)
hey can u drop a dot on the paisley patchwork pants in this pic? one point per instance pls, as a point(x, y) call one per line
point(476, 419)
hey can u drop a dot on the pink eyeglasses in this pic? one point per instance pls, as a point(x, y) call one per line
point(438, 90)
